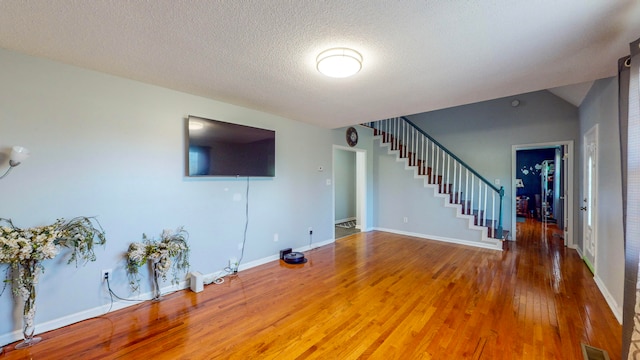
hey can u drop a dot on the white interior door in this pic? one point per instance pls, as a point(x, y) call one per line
point(589, 198)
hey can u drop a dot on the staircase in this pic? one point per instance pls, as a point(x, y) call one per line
point(477, 199)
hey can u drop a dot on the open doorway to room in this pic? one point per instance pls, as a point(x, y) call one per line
point(349, 190)
point(542, 189)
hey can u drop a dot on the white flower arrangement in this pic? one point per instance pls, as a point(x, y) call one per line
point(25, 249)
point(170, 252)
point(33, 245)
point(36, 243)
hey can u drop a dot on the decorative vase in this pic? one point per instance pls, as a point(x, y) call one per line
point(156, 287)
point(30, 270)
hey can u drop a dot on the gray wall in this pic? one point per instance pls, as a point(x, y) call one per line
point(482, 134)
point(113, 148)
point(601, 107)
point(345, 184)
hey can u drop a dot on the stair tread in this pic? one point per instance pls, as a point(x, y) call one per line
point(404, 151)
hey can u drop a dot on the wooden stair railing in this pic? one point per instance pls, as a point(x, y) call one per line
point(477, 196)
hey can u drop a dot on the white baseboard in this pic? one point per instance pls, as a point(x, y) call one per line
point(578, 251)
point(445, 239)
point(8, 338)
point(615, 308)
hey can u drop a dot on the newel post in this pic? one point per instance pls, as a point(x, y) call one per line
point(500, 232)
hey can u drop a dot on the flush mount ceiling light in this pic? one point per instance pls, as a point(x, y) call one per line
point(339, 62)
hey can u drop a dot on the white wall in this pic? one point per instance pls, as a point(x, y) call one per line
point(601, 107)
point(113, 148)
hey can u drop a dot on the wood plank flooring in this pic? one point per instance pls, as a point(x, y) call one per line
point(370, 295)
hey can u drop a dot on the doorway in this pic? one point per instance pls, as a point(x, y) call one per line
point(542, 187)
point(349, 188)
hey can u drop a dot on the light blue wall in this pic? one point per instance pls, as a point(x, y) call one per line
point(113, 148)
point(601, 107)
point(482, 134)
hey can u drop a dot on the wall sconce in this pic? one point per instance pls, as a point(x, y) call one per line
point(519, 183)
point(18, 154)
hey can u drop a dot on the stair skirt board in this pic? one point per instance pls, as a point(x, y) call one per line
point(446, 201)
point(491, 244)
point(459, 214)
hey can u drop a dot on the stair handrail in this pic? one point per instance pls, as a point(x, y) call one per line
point(495, 188)
point(499, 190)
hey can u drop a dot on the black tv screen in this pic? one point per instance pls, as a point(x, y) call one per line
point(218, 148)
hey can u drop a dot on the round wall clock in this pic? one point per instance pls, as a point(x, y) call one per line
point(352, 136)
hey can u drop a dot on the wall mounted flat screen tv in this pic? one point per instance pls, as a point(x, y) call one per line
point(218, 148)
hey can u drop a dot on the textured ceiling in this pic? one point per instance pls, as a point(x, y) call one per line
point(418, 55)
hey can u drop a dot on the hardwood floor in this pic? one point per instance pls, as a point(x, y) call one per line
point(370, 295)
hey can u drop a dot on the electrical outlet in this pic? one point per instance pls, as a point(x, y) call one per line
point(105, 274)
point(233, 264)
point(310, 230)
point(405, 219)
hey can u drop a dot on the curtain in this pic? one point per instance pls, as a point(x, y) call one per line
point(629, 82)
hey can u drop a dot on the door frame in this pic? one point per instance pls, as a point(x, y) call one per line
point(568, 144)
point(361, 185)
point(592, 208)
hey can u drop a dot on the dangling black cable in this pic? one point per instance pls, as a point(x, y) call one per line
point(246, 223)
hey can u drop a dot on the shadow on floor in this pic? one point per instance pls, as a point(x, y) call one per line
point(342, 232)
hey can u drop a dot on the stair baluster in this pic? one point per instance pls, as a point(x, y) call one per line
point(443, 169)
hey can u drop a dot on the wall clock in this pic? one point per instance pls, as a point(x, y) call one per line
point(352, 136)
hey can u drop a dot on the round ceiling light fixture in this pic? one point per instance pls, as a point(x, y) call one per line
point(339, 62)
